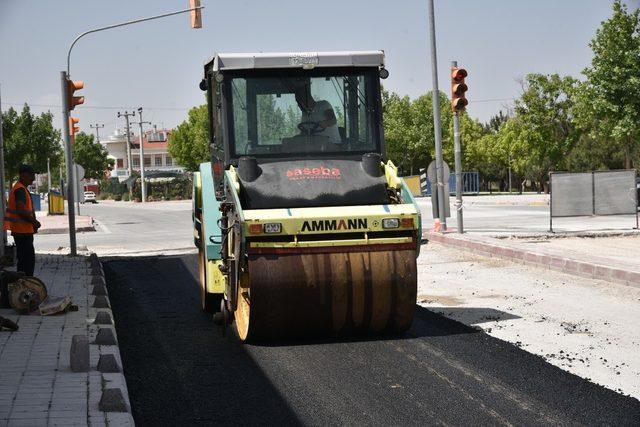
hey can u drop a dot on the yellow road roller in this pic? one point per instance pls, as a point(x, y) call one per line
point(302, 225)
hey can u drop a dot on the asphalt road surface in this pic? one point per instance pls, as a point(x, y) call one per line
point(130, 228)
point(181, 371)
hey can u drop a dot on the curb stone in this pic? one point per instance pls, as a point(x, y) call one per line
point(564, 261)
point(112, 406)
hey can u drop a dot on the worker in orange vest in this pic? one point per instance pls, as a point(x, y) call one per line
point(21, 219)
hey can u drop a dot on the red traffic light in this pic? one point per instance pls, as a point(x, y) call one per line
point(458, 74)
point(72, 86)
point(458, 89)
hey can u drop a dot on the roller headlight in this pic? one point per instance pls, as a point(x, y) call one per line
point(272, 228)
point(390, 223)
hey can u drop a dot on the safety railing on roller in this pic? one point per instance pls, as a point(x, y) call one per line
point(470, 183)
point(592, 193)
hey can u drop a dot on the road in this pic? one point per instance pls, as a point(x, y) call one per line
point(134, 228)
point(130, 228)
point(181, 371)
point(521, 215)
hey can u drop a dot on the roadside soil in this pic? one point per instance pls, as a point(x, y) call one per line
point(584, 326)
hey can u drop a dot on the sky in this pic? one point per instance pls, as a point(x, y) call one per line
point(157, 65)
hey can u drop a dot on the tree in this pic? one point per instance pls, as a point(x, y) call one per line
point(408, 128)
point(496, 122)
point(91, 155)
point(609, 101)
point(398, 121)
point(545, 118)
point(189, 142)
point(30, 139)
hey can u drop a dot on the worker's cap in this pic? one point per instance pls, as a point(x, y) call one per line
point(26, 168)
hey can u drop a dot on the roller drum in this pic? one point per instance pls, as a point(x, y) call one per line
point(327, 294)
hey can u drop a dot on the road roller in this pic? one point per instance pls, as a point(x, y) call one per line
point(302, 224)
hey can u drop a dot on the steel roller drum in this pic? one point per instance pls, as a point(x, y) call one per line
point(335, 294)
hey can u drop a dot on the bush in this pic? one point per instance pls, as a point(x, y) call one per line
point(117, 197)
point(174, 189)
point(125, 197)
point(112, 186)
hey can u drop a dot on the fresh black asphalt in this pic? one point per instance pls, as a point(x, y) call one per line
point(180, 370)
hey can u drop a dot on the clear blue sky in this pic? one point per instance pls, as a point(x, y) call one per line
point(157, 65)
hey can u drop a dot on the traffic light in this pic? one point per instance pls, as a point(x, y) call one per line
point(73, 126)
point(196, 15)
point(458, 89)
point(72, 86)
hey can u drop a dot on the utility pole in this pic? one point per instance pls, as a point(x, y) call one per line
point(126, 116)
point(97, 127)
point(48, 176)
point(437, 124)
point(457, 151)
point(143, 186)
point(3, 203)
point(77, 186)
point(509, 170)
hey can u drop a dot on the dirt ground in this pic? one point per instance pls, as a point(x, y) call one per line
point(584, 326)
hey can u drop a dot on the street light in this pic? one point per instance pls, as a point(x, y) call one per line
point(69, 104)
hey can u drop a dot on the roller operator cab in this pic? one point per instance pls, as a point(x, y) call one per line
point(302, 225)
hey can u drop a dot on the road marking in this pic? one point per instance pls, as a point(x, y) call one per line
point(102, 226)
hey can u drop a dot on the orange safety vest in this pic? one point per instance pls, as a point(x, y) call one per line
point(11, 220)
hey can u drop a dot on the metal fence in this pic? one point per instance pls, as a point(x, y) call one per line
point(593, 193)
point(470, 183)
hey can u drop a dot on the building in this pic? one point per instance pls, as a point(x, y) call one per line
point(156, 152)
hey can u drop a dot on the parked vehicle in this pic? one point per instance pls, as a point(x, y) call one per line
point(90, 196)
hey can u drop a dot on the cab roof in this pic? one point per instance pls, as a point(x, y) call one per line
point(308, 60)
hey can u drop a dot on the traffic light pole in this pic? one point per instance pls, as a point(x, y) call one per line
point(437, 124)
point(3, 201)
point(68, 158)
point(457, 151)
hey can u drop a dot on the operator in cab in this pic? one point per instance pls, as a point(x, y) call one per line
point(21, 220)
point(318, 118)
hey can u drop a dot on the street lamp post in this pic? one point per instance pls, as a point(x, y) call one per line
point(437, 123)
point(64, 75)
point(3, 201)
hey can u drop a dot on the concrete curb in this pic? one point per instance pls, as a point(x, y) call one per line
point(565, 261)
point(59, 230)
point(110, 404)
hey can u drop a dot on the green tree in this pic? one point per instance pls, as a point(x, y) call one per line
point(398, 121)
point(409, 131)
point(91, 155)
point(609, 101)
point(545, 119)
point(189, 142)
point(30, 139)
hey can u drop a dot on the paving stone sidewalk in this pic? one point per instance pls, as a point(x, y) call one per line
point(37, 385)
